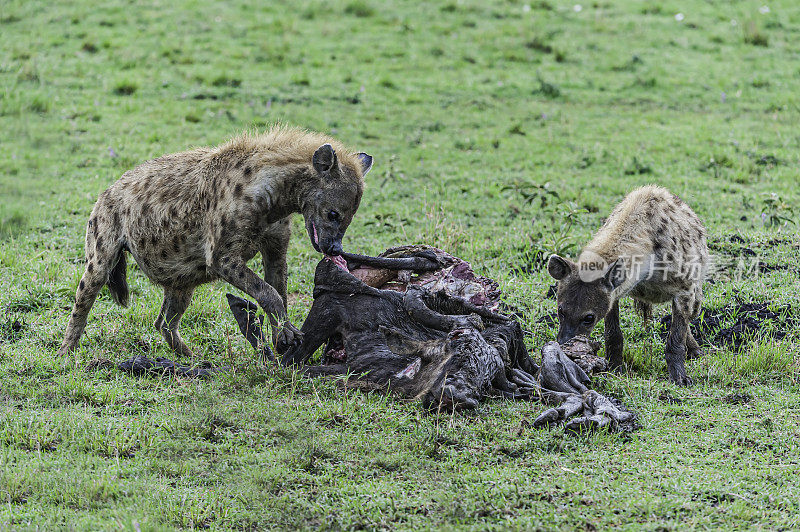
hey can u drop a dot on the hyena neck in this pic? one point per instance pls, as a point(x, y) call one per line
point(288, 193)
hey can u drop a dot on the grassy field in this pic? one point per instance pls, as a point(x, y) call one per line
point(501, 131)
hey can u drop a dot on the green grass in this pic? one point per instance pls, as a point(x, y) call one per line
point(470, 108)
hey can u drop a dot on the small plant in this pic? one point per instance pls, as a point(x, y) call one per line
point(775, 212)
point(39, 104)
point(392, 174)
point(516, 129)
point(547, 89)
point(29, 72)
point(302, 81)
point(360, 9)
point(125, 87)
point(752, 34)
point(647, 83)
point(224, 80)
point(637, 167)
point(559, 238)
point(540, 45)
point(716, 163)
point(553, 227)
point(533, 192)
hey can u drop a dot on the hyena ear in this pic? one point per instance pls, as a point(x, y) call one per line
point(559, 267)
point(615, 275)
point(366, 162)
point(324, 160)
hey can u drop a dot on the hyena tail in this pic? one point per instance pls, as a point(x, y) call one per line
point(118, 280)
point(105, 252)
point(644, 310)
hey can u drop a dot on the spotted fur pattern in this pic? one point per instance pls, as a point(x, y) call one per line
point(652, 248)
point(192, 217)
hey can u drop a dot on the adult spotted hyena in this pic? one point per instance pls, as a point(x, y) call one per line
point(653, 248)
point(192, 217)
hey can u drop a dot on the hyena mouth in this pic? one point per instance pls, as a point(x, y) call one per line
point(315, 238)
point(336, 259)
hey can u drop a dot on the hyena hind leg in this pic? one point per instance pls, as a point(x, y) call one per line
point(100, 262)
point(645, 311)
point(92, 281)
point(169, 319)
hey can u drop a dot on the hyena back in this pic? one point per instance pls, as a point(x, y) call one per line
point(653, 248)
point(192, 217)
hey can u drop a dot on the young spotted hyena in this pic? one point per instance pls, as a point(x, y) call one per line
point(653, 248)
point(192, 217)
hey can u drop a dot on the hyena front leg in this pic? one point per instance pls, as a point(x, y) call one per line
point(675, 352)
point(613, 337)
point(169, 319)
point(275, 275)
point(234, 270)
point(273, 256)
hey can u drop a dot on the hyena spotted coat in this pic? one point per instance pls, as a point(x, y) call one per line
point(192, 217)
point(653, 248)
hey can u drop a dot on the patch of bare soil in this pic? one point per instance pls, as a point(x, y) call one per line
point(737, 324)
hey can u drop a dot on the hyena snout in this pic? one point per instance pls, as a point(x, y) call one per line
point(333, 247)
point(326, 240)
point(565, 335)
point(570, 327)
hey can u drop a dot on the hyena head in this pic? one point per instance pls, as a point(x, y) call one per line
point(584, 297)
point(332, 202)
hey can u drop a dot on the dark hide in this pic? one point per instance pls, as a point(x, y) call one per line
point(431, 346)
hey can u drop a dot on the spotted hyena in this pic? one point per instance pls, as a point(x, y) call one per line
point(653, 248)
point(192, 217)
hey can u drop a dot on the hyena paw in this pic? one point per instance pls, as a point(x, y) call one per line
point(680, 378)
point(288, 336)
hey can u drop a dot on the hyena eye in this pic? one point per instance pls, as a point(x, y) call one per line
point(588, 319)
point(334, 216)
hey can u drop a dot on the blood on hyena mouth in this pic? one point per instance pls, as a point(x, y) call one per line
point(336, 259)
point(314, 237)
